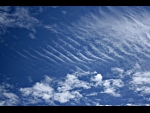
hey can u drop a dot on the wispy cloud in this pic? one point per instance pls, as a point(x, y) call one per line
point(19, 18)
point(64, 12)
point(54, 6)
point(115, 36)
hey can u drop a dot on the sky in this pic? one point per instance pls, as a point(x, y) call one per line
point(74, 55)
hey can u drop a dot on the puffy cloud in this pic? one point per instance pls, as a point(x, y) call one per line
point(98, 79)
point(140, 82)
point(10, 95)
point(71, 82)
point(8, 98)
point(64, 93)
point(32, 36)
point(39, 90)
point(66, 96)
point(111, 85)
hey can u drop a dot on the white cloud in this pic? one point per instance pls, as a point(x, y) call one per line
point(115, 40)
point(116, 69)
point(140, 82)
point(63, 94)
point(10, 95)
point(64, 12)
point(53, 28)
point(71, 82)
point(111, 85)
point(141, 78)
point(19, 18)
point(47, 79)
point(80, 72)
point(7, 98)
point(26, 91)
point(98, 79)
point(92, 94)
point(54, 6)
point(2, 103)
point(66, 96)
point(39, 90)
point(30, 79)
point(32, 36)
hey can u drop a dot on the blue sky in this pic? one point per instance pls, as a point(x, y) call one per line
point(74, 55)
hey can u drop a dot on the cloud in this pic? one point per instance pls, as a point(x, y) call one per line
point(7, 98)
point(10, 95)
point(97, 79)
point(111, 85)
point(65, 96)
point(80, 72)
point(92, 94)
point(116, 69)
point(30, 79)
point(32, 36)
point(64, 93)
point(140, 82)
point(54, 28)
point(71, 82)
point(4, 8)
point(20, 18)
point(64, 12)
point(54, 6)
point(39, 90)
point(117, 40)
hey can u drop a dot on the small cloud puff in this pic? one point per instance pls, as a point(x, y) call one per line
point(32, 36)
point(64, 12)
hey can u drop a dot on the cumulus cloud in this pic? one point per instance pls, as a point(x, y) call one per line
point(7, 98)
point(64, 93)
point(71, 82)
point(69, 89)
point(10, 95)
point(39, 90)
point(111, 85)
point(98, 79)
point(66, 96)
point(140, 82)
